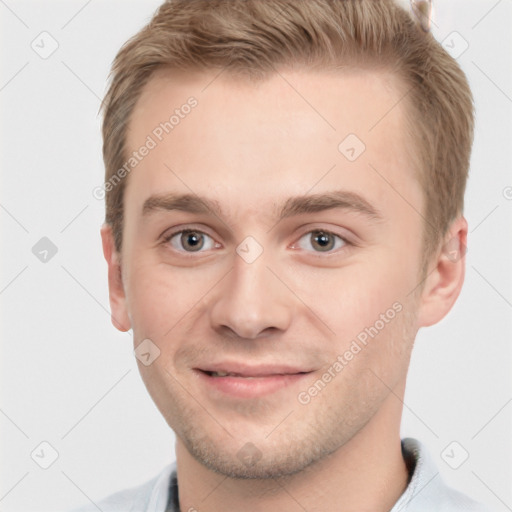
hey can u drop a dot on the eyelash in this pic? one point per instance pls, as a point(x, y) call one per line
point(346, 243)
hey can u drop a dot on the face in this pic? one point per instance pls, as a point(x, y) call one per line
point(270, 258)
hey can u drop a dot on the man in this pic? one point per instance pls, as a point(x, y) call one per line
point(284, 192)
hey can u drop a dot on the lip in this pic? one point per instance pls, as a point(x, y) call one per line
point(250, 381)
point(260, 370)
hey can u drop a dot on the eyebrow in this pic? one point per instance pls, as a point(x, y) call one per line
point(299, 205)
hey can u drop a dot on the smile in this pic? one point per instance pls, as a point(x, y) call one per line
point(249, 382)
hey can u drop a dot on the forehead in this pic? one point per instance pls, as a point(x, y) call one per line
point(249, 144)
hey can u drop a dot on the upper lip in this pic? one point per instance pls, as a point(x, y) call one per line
point(262, 370)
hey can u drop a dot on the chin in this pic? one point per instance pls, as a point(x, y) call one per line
point(258, 462)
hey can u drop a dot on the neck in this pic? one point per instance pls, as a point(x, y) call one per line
point(366, 474)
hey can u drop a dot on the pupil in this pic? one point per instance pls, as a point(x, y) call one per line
point(324, 241)
point(192, 241)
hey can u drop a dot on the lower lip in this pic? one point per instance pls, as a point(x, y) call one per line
point(244, 387)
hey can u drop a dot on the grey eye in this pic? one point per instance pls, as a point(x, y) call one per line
point(320, 241)
point(191, 241)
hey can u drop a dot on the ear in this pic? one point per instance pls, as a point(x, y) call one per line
point(447, 270)
point(119, 312)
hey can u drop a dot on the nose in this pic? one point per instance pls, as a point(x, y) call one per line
point(250, 302)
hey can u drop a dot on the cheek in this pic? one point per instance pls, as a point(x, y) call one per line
point(160, 296)
point(353, 298)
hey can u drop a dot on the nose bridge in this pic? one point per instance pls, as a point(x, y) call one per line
point(246, 282)
point(250, 301)
point(250, 280)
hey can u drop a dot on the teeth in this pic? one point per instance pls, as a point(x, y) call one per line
point(227, 374)
point(221, 374)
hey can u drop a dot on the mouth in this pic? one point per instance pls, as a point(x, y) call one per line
point(249, 382)
point(262, 376)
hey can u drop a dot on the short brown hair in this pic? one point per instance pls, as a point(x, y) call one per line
point(255, 37)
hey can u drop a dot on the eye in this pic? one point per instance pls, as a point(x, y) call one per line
point(321, 241)
point(191, 240)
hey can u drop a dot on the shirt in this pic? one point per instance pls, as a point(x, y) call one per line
point(426, 491)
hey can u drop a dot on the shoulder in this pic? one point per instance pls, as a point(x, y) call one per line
point(426, 490)
point(150, 496)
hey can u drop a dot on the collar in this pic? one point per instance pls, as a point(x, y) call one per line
point(426, 490)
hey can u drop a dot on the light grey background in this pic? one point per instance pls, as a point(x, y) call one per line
point(70, 379)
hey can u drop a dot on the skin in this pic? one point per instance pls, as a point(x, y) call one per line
point(249, 147)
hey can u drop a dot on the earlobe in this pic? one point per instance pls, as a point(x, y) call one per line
point(446, 275)
point(117, 298)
